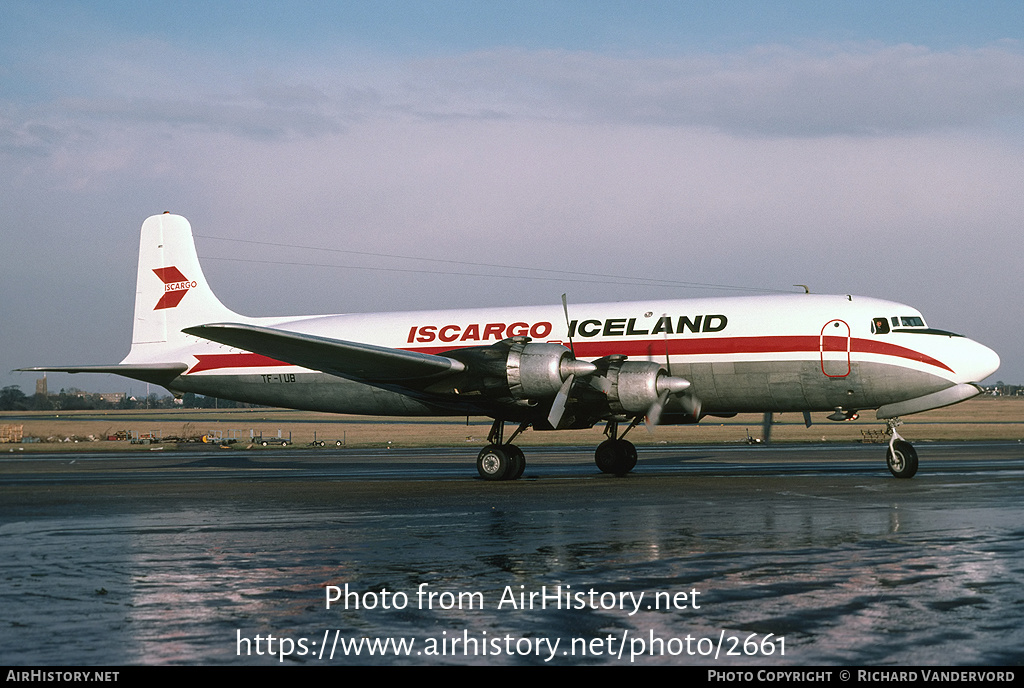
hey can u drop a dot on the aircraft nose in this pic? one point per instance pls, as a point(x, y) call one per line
point(977, 362)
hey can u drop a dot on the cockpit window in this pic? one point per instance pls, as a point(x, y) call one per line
point(913, 321)
point(879, 326)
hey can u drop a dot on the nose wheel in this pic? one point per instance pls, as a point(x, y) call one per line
point(901, 457)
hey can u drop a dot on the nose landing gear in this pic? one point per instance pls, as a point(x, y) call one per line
point(901, 457)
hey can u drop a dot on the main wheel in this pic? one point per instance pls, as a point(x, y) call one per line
point(495, 463)
point(518, 462)
point(615, 456)
point(902, 459)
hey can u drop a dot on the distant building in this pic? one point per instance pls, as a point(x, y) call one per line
point(113, 397)
point(41, 386)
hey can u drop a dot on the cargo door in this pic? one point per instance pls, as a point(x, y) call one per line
point(834, 346)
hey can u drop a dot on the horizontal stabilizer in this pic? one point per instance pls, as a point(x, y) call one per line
point(156, 373)
point(351, 360)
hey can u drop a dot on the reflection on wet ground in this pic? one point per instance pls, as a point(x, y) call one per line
point(850, 567)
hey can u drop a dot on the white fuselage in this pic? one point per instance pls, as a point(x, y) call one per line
point(761, 353)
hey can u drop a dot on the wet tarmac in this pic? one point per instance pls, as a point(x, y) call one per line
point(782, 555)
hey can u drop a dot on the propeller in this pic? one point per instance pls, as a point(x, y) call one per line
point(667, 385)
point(574, 368)
point(570, 368)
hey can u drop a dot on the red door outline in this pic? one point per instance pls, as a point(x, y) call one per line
point(837, 339)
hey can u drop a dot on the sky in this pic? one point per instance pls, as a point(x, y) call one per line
point(341, 157)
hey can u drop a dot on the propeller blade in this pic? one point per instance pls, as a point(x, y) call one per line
point(568, 328)
point(692, 405)
point(558, 405)
point(668, 358)
point(654, 413)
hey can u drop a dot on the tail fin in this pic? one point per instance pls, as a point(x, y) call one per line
point(171, 291)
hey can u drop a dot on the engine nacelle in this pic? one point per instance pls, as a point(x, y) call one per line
point(634, 386)
point(536, 370)
point(518, 370)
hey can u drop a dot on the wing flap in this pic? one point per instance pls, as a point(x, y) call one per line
point(351, 360)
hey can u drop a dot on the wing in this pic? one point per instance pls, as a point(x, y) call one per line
point(351, 360)
point(514, 378)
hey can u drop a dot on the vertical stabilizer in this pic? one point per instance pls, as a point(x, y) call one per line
point(171, 291)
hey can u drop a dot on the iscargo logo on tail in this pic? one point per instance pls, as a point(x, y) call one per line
point(176, 285)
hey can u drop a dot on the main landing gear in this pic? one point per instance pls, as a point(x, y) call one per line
point(901, 455)
point(616, 455)
point(500, 460)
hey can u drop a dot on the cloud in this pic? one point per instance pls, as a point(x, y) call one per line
point(766, 91)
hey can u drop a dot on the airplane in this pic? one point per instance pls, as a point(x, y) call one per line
point(621, 364)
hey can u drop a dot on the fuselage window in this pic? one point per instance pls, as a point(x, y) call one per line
point(895, 321)
point(879, 326)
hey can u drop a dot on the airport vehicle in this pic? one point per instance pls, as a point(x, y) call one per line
point(657, 361)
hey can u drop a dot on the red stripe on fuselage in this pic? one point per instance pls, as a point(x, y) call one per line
point(734, 345)
point(645, 347)
point(219, 361)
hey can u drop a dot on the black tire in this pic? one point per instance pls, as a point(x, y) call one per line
point(494, 463)
point(617, 457)
point(630, 451)
point(902, 459)
point(518, 462)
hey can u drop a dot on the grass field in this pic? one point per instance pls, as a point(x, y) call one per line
point(984, 418)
